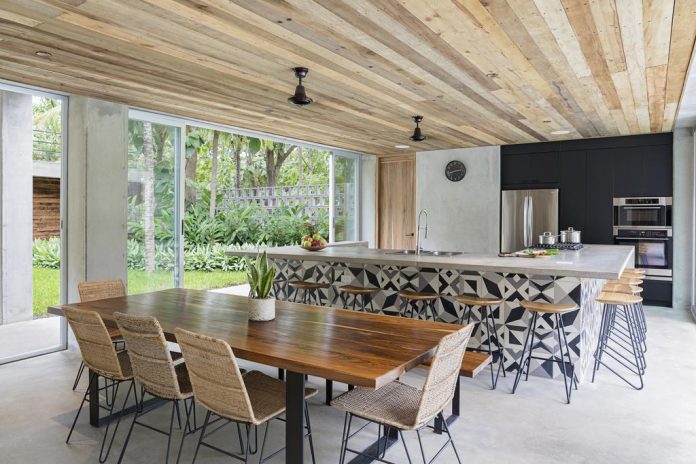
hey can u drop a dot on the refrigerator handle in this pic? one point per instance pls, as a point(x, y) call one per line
point(525, 215)
point(530, 222)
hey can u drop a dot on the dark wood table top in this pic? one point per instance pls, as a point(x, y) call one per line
point(358, 348)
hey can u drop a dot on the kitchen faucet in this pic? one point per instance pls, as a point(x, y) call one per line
point(418, 230)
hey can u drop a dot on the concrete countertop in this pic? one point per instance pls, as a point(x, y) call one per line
point(593, 261)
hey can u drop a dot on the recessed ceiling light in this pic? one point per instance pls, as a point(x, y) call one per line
point(492, 75)
point(402, 147)
point(560, 132)
point(43, 54)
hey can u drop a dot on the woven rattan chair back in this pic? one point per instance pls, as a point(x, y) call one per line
point(98, 353)
point(439, 386)
point(152, 362)
point(100, 289)
point(215, 376)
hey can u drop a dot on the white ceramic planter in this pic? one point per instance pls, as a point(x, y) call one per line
point(261, 309)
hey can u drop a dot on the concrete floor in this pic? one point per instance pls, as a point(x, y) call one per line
point(22, 338)
point(606, 423)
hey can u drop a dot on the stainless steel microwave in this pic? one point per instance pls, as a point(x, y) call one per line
point(644, 213)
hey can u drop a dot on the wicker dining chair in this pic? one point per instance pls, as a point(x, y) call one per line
point(99, 290)
point(406, 408)
point(249, 400)
point(101, 357)
point(158, 373)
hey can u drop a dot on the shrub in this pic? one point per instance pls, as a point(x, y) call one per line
point(46, 253)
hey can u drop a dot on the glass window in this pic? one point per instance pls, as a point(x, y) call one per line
point(152, 206)
point(345, 198)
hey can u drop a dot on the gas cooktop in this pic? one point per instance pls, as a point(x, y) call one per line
point(559, 246)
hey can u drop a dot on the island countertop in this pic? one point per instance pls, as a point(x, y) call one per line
point(592, 261)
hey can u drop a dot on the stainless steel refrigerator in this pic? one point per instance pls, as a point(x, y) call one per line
point(525, 214)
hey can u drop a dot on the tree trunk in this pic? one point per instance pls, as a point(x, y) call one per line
point(237, 169)
point(148, 197)
point(213, 173)
point(190, 177)
point(299, 166)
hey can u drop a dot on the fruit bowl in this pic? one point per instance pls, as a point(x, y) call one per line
point(313, 242)
point(317, 248)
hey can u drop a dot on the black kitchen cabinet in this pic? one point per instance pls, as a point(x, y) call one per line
point(599, 209)
point(573, 190)
point(642, 171)
point(531, 170)
point(657, 292)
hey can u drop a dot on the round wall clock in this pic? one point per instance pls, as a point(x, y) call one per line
point(455, 171)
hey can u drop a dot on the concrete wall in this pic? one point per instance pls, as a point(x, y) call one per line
point(16, 207)
point(97, 187)
point(462, 216)
point(368, 200)
point(683, 217)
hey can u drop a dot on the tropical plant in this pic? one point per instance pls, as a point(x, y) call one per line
point(260, 276)
point(46, 253)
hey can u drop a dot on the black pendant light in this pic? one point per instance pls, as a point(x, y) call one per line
point(300, 98)
point(417, 135)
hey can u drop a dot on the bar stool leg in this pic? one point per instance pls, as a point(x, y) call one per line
point(372, 308)
point(568, 388)
point(501, 352)
point(531, 344)
point(574, 378)
point(523, 358)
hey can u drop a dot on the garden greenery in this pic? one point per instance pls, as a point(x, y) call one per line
point(206, 240)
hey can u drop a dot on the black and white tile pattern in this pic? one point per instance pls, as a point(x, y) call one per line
point(512, 321)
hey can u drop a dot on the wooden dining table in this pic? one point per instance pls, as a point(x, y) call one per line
point(357, 348)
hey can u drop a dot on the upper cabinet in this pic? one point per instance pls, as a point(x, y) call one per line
point(530, 170)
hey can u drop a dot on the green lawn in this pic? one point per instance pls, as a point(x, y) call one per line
point(46, 283)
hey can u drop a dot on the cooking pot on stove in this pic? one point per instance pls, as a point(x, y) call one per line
point(570, 236)
point(547, 238)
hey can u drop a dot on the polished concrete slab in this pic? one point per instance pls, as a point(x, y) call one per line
point(607, 421)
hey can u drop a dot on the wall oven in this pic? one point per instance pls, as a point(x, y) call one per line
point(653, 250)
point(642, 213)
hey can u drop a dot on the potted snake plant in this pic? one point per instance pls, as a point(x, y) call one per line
point(260, 276)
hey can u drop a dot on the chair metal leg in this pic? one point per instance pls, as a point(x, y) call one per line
point(79, 375)
point(104, 456)
point(422, 450)
point(344, 437)
point(449, 435)
point(408, 456)
point(200, 439)
point(171, 428)
point(309, 434)
point(93, 378)
point(138, 411)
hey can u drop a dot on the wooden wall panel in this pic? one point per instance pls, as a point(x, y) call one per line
point(46, 207)
point(396, 193)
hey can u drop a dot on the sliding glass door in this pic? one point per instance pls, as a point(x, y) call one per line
point(32, 191)
point(154, 203)
point(345, 197)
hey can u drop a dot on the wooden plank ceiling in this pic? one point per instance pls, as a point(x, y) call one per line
point(480, 72)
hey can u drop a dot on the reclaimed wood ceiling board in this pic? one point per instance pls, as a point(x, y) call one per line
point(480, 72)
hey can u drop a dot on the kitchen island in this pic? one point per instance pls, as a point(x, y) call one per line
point(569, 277)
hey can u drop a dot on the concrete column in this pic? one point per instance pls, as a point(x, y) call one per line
point(16, 199)
point(97, 192)
point(684, 225)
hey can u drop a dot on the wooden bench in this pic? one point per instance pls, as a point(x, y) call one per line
point(473, 363)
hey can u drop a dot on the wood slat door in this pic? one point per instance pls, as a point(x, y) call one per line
point(397, 202)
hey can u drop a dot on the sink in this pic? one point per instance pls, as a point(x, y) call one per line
point(441, 253)
point(401, 252)
point(424, 252)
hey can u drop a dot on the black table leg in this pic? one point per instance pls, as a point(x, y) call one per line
point(389, 437)
point(94, 400)
point(455, 410)
point(294, 424)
